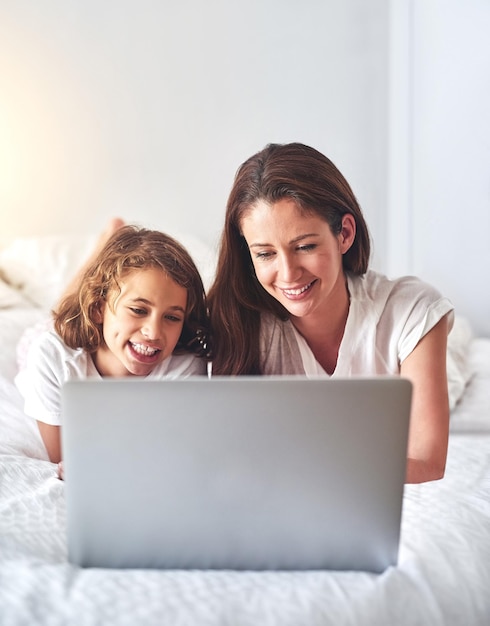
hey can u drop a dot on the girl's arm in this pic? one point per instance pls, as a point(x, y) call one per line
point(429, 417)
point(39, 382)
point(51, 436)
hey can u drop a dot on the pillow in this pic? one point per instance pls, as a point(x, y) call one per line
point(10, 297)
point(40, 268)
point(203, 255)
point(459, 370)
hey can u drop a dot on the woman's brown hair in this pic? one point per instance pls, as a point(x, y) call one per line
point(236, 298)
point(132, 248)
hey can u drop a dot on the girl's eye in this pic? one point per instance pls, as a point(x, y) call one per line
point(137, 311)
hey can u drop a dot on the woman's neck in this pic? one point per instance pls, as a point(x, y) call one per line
point(323, 330)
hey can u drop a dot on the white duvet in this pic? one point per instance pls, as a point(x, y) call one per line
point(443, 576)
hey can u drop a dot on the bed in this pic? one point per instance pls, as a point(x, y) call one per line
point(443, 575)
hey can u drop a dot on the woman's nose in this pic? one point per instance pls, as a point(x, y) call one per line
point(289, 269)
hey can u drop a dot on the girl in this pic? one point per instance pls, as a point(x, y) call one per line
point(293, 294)
point(139, 310)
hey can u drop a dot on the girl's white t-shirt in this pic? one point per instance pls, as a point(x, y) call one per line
point(386, 320)
point(50, 363)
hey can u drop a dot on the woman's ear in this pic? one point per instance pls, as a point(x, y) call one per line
point(348, 233)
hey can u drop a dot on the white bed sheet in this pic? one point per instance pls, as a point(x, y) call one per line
point(443, 576)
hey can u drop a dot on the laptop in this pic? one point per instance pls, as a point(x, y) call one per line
point(242, 473)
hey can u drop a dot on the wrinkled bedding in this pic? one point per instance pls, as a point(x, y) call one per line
point(443, 575)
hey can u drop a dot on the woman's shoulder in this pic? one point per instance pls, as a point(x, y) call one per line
point(403, 290)
point(406, 307)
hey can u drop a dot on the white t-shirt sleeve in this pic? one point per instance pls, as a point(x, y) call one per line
point(40, 381)
point(419, 313)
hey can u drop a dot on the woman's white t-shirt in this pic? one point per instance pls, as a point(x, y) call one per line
point(386, 320)
point(50, 363)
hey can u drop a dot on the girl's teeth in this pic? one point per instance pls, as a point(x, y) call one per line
point(146, 350)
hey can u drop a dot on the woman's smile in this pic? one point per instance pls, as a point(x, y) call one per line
point(296, 257)
point(298, 293)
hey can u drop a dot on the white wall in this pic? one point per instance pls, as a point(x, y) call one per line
point(145, 109)
point(439, 200)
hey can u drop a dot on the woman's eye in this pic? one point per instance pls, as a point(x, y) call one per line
point(173, 318)
point(307, 247)
point(137, 311)
point(264, 255)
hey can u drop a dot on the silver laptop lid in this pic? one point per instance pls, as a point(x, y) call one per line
point(235, 473)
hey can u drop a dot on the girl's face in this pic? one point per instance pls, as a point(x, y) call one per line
point(297, 258)
point(142, 324)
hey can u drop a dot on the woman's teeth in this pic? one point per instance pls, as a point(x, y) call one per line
point(297, 292)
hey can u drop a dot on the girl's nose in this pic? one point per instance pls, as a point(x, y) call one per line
point(151, 330)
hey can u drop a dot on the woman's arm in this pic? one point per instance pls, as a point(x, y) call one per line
point(51, 436)
point(429, 417)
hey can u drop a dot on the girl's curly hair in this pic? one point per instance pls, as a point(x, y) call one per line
point(133, 248)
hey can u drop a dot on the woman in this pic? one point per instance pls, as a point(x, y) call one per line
point(293, 294)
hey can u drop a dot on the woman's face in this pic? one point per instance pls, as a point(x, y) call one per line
point(297, 258)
